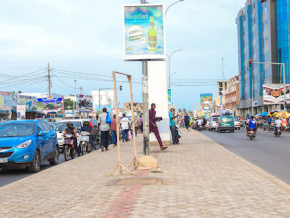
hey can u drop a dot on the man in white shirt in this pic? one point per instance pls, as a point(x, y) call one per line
point(278, 124)
point(199, 122)
point(125, 127)
point(105, 128)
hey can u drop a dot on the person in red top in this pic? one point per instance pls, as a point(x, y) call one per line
point(114, 131)
point(153, 126)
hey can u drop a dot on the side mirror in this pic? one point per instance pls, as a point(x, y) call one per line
point(79, 128)
point(42, 132)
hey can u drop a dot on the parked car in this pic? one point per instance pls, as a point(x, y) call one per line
point(237, 124)
point(226, 122)
point(213, 123)
point(26, 144)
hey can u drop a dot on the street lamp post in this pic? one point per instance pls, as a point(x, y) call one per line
point(75, 99)
point(169, 58)
point(169, 78)
point(172, 5)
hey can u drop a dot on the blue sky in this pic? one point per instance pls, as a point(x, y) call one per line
point(86, 36)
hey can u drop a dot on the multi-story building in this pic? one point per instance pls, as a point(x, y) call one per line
point(263, 37)
point(222, 85)
point(232, 95)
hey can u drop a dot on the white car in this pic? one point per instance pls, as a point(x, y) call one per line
point(62, 125)
point(213, 123)
point(237, 124)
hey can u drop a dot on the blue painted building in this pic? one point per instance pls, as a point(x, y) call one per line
point(263, 36)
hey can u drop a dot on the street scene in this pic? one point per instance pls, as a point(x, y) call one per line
point(145, 109)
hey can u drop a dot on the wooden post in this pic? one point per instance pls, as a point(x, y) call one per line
point(133, 122)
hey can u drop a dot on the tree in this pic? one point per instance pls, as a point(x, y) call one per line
point(68, 104)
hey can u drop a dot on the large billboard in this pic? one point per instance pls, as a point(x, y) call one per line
point(29, 102)
point(274, 94)
point(8, 101)
point(144, 32)
point(206, 99)
point(85, 103)
point(50, 104)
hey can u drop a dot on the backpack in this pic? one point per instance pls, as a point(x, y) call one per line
point(108, 118)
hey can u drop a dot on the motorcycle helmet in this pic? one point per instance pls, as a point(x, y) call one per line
point(70, 125)
point(86, 122)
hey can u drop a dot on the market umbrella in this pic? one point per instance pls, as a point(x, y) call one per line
point(283, 114)
point(264, 114)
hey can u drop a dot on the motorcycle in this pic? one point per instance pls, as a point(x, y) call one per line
point(85, 145)
point(278, 132)
point(68, 147)
point(199, 128)
point(251, 134)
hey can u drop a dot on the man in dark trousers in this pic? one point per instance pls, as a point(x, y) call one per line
point(186, 121)
point(153, 127)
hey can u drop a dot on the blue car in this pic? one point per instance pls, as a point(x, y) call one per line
point(27, 143)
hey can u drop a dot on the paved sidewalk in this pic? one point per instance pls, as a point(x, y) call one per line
point(203, 180)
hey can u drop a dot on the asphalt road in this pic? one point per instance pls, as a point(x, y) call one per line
point(265, 151)
point(10, 176)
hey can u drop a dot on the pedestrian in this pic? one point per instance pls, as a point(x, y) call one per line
point(284, 124)
point(105, 129)
point(136, 125)
point(141, 123)
point(153, 126)
point(172, 124)
point(186, 121)
point(114, 130)
point(269, 123)
point(125, 127)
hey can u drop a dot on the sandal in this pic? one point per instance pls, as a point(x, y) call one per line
point(163, 148)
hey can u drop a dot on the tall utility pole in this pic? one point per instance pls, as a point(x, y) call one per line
point(253, 95)
point(146, 150)
point(223, 84)
point(81, 88)
point(75, 98)
point(49, 80)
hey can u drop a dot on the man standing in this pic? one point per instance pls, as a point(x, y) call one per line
point(186, 121)
point(125, 127)
point(172, 124)
point(114, 130)
point(105, 128)
point(153, 126)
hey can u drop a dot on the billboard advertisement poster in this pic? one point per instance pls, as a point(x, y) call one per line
point(69, 113)
point(28, 101)
point(109, 108)
point(21, 111)
point(144, 32)
point(206, 99)
point(85, 103)
point(8, 99)
point(50, 104)
point(169, 96)
point(274, 94)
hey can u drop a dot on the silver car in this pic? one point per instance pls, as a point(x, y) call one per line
point(213, 123)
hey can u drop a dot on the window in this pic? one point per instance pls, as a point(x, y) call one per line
point(45, 126)
point(39, 127)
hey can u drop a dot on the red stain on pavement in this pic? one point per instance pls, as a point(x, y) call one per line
point(124, 204)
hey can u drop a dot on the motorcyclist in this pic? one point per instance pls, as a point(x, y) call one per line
point(278, 124)
point(252, 124)
point(87, 128)
point(71, 130)
point(204, 122)
point(199, 122)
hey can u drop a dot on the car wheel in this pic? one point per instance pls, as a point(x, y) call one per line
point(54, 160)
point(233, 131)
point(35, 166)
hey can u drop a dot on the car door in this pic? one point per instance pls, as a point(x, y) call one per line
point(51, 138)
point(41, 140)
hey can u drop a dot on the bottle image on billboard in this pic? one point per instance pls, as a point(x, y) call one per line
point(152, 36)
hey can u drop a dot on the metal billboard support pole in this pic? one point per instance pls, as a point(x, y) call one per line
point(146, 150)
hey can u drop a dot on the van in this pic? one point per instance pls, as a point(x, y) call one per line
point(226, 122)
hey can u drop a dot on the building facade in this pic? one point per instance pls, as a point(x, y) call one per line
point(232, 97)
point(263, 37)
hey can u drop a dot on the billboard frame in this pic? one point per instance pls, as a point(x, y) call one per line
point(145, 56)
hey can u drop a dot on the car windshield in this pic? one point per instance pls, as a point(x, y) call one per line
point(215, 119)
point(16, 129)
point(226, 119)
point(63, 125)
